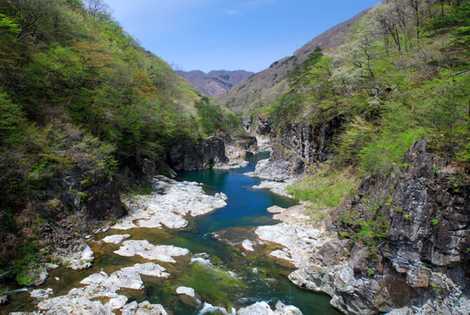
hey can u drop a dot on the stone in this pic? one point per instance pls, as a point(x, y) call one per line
point(117, 303)
point(164, 253)
point(115, 239)
point(201, 258)
point(208, 308)
point(248, 245)
point(272, 170)
point(186, 291)
point(279, 188)
point(41, 294)
point(263, 308)
point(282, 309)
point(276, 209)
point(144, 308)
point(79, 259)
point(74, 305)
point(128, 277)
point(259, 308)
point(170, 203)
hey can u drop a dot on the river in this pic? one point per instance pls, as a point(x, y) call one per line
point(234, 278)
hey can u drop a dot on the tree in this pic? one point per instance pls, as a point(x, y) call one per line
point(97, 8)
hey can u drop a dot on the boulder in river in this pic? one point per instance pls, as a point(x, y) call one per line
point(115, 239)
point(263, 308)
point(145, 249)
point(169, 205)
point(144, 308)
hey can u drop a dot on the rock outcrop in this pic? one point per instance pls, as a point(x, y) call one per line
point(415, 263)
point(190, 156)
point(169, 205)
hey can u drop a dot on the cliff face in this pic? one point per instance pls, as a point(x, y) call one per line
point(187, 156)
point(299, 143)
point(410, 249)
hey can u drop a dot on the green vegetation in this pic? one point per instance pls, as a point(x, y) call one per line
point(401, 77)
point(82, 105)
point(324, 190)
point(212, 284)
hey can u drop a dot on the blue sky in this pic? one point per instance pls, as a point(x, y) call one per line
point(229, 34)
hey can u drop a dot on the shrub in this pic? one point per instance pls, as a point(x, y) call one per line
point(325, 190)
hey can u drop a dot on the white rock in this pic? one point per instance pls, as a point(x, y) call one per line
point(299, 241)
point(248, 245)
point(282, 309)
point(148, 269)
point(276, 209)
point(51, 266)
point(209, 308)
point(201, 258)
point(115, 239)
point(149, 251)
point(117, 302)
point(128, 277)
point(259, 308)
point(74, 305)
point(186, 291)
point(168, 206)
point(80, 260)
point(263, 308)
point(144, 308)
point(41, 294)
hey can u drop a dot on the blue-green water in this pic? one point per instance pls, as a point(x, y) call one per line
point(258, 278)
point(264, 279)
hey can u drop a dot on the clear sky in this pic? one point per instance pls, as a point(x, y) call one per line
point(229, 34)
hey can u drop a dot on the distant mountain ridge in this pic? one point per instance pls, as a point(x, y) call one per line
point(264, 87)
point(215, 83)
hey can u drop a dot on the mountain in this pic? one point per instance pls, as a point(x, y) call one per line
point(374, 130)
point(85, 114)
point(215, 83)
point(265, 86)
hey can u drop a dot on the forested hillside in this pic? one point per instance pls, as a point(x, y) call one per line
point(378, 130)
point(84, 113)
point(402, 75)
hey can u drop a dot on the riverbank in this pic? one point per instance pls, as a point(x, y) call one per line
point(160, 257)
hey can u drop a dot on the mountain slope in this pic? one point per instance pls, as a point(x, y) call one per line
point(380, 133)
point(214, 83)
point(265, 86)
point(85, 113)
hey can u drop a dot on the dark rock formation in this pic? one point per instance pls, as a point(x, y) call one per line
point(190, 156)
point(422, 260)
point(310, 143)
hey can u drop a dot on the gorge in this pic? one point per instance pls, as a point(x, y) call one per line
point(335, 181)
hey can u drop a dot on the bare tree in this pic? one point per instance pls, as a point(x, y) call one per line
point(96, 7)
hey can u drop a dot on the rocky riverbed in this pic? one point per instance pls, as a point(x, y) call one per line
point(171, 206)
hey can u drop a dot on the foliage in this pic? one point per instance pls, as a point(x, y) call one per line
point(325, 189)
point(401, 77)
point(82, 104)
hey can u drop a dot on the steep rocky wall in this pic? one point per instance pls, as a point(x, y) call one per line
point(190, 156)
point(423, 257)
point(299, 143)
point(72, 206)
